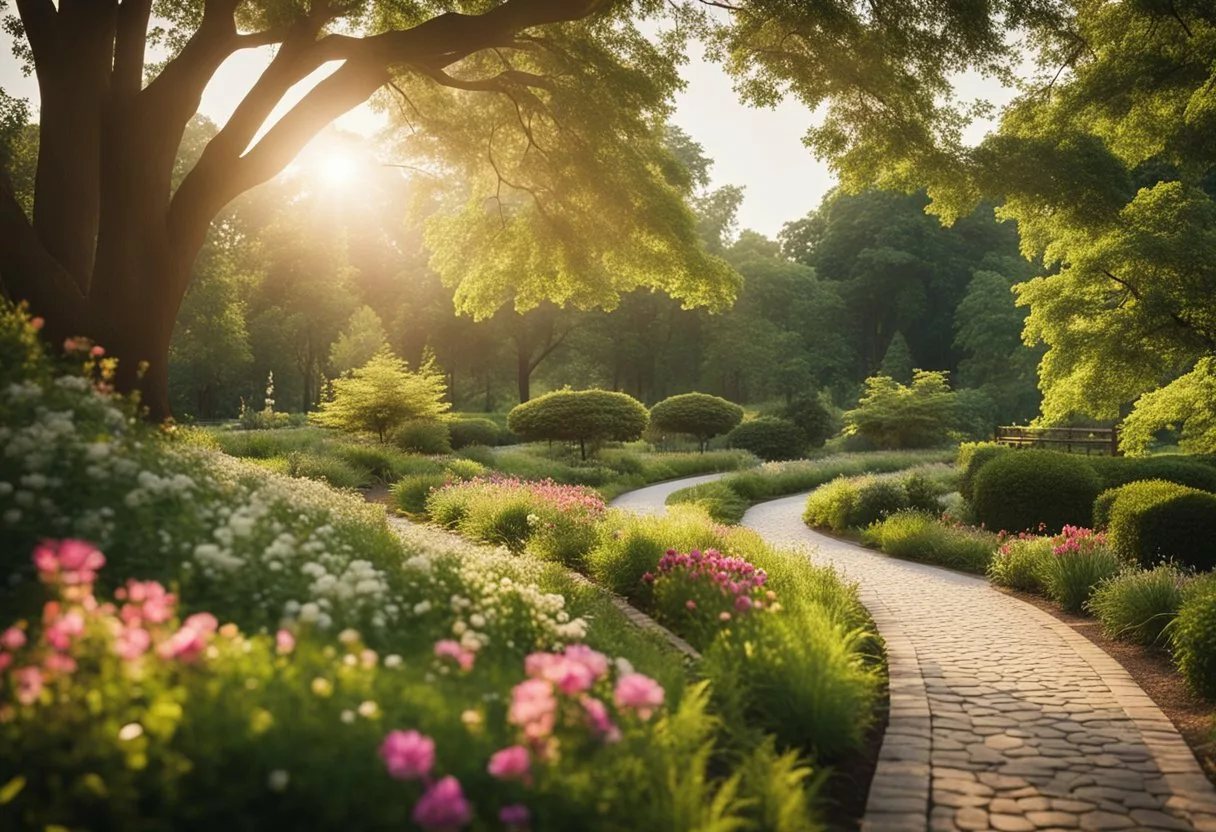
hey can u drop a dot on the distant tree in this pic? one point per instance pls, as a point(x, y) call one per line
point(581, 416)
point(382, 395)
point(813, 417)
point(893, 415)
point(357, 344)
point(897, 362)
point(988, 327)
point(696, 414)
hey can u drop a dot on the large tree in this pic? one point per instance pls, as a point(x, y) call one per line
point(562, 101)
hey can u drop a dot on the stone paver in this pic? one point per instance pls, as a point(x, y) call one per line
point(1001, 716)
point(652, 499)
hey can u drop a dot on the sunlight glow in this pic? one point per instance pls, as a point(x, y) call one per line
point(337, 169)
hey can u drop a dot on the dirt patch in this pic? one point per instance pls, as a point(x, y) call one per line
point(1191, 714)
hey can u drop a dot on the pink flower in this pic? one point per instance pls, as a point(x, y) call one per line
point(37, 323)
point(132, 643)
point(59, 663)
point(639, 693)
point(533, 707)
point(12, 639)
point(29, 684)
point(203, 623)
point(60, 634)
point(690, 604)
point(97, 351)
point(452, 650)
point(594, 661)
point(189, 642)
point(515, 814)
point(284, 642)
point(5, 660)
point(570, 676)
point(70, 561)
point(408, 755)
point(443, 806)
point(512, 763)
point(148, 602)
point(743, 603)
point(597, 718)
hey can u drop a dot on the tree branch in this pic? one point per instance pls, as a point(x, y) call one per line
point(39, 19)
point(130, 45)
point(28, 273)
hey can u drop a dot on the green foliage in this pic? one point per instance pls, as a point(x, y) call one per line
point(1156, 520)
point(410, 493)
point(466, 432)
point(582, 416)
point(831, 506)
point(892, 415)
point(814, 418)
point(336, 472)
point(1102, 506)
point(1021, 562)
point(1185, 404)
point(717, 499)
point(972, 456)
point(1138, 605)
point(923, 537)
point(1080, 562)
point(1035, 490)
point(769, 438)
point(359, 343)
point(382, 395)
point(1193, 638)
point(857, 502)
point(876, 499)
point(897, 362)
point(22, 355)
point(1116, 471)
point(423, 436)
point(696, 414)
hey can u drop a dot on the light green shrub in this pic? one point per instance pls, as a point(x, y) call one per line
point(423, 437)
point(410, 493)
point(696, 414)
point(1154, 520)
point(831, 506)
point(473, 431)
point(585, 417)
point(1138, 605)
point(1193, 638)
point(1020, 563)
point(923, 537)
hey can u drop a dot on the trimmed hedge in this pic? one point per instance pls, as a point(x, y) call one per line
point(972, 456)
point(466, 432)
point(1022, 490)
point(1155, 520)
point(1102, 507)
point(582, 416)
point(696, 414)
point(1116, 471)
point(769, 438)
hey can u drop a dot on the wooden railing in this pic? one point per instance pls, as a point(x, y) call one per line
point(1099, 441)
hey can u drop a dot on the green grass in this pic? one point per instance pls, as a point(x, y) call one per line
point(923, 537)
point(1138, 605)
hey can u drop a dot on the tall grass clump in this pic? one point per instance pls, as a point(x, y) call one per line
point(1080, 561)
point(1138, 605)
point(1193, 638)
point(924, 537)
point(1021, 562)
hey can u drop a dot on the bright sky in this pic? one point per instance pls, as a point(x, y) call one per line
point(761, 150)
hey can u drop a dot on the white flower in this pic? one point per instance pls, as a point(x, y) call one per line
point(368, 709)
point(6, 488)
point(392, 660)
point(310, 612)
point(347, 716)
point(422, 608)
point(130, 731)
point(278, 780)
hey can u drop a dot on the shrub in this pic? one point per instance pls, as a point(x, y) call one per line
point(480, 454)
point(1080, 561)
point(696, 414)
point(717, 499)
point(892, 415)
point(1154, 520)
point(423, 437)
point(1193, 638)
point(582, 416)
point(1034, 489)
point(383, 394)
point(876, 499)
point(472, 431)
point(918, 536)
point(1116, 471)
point(813, 417)
point(464, 469)
point(1020, 563)
point(922, 492)
point(630, 546)
point(768, 438)
point(700, 593)
point(831, 506)
point(972, 456)
point(1138, 605)
point(336, 472)
point(410, 493)
point(1103, 503)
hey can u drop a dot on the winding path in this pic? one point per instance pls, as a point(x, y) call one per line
point(1001, 716)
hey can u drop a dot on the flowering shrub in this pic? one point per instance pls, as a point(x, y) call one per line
point(115, 714)
point(1021, 562)
point(696, 594)
point(1080, 561)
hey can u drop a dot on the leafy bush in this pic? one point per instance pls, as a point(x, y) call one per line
point(699, 594)
point(831, 506)
point(1035, 489)
point(876, 499)
point(697, 414)
point(1080, 562)
point(1021, 562)
point(336, 472)
point(1103, 503)
point(768, 438)
point(582, 416)
point(383, 394)
point(778, 479)
point(716, 498)
point(892, 415)
point(1138, 605)
point(1193, 638)
point(1155, 520)
point(856, 502)
point(813, 417)
point(410, 493)
point(922, 492)
point(972, 456)
point(1116, 471)
point(471, 431)
point(630, 546)
point(923, 537)
point(422, 436)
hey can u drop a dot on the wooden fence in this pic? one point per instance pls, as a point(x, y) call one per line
point(1095, 441)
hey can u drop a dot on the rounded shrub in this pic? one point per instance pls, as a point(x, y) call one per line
point(696, 414)
point(473, 431)
point(875, 500)
point(1193, 637)
point(813, 417)
point(1155, 520)
point(972, 456)
point(410, 493)
point(769, 438)
point(1102, 506)
point(582, 416)
point(424, 437)
point(1032, 489)
point(1116, 471)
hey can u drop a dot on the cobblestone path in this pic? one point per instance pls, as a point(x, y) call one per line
point(653, 498)
point(1001, 716)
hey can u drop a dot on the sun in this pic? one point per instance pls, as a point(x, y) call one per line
point(338, 169)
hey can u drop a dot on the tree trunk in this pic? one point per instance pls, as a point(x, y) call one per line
point(524, 375)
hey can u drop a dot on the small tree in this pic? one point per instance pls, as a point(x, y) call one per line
point(359, 342)
point(813, 416)
point(382, 395)
point(897, 362)
point(893, 415)
point(580, 416)
point(697, 414)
